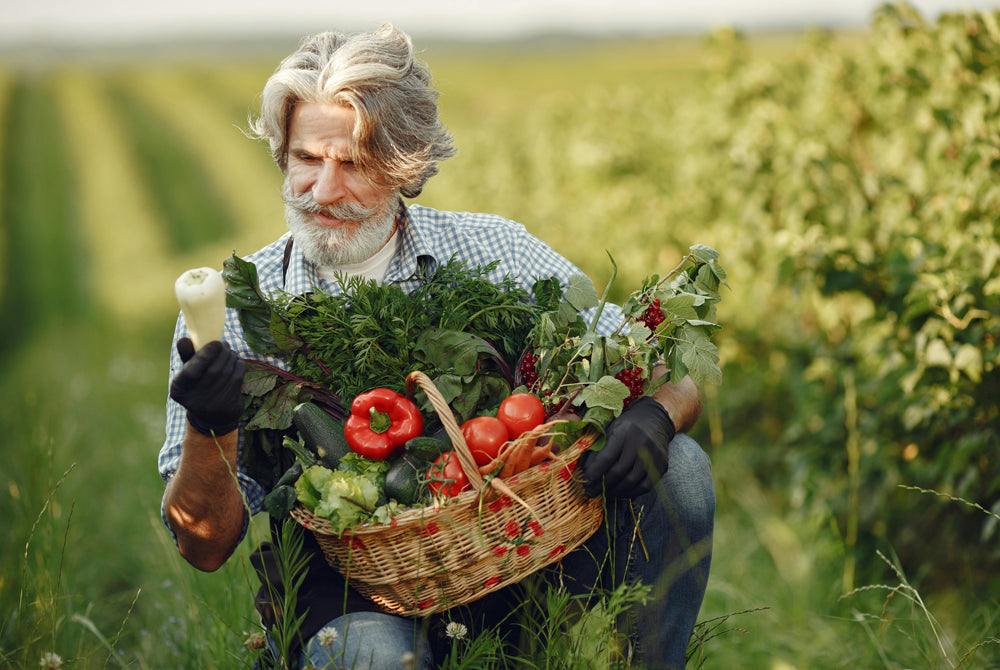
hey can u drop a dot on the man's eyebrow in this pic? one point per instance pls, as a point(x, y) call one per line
point(344, 156)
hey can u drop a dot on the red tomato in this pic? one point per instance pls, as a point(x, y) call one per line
point(521, 412)
point(447, 466)
point(484, 435)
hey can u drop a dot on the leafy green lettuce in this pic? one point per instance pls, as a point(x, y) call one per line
point(345, 497)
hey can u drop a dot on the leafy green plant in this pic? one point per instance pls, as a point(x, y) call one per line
point(292, 563)
point(668, 320)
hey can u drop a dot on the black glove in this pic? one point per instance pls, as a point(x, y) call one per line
point(634, 456)
point(208, 386)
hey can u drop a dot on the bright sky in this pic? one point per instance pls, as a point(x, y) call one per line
point(110, 21)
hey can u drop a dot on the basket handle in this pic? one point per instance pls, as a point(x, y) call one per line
point(465, 458)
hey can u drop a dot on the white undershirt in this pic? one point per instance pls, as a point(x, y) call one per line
point(371, 268)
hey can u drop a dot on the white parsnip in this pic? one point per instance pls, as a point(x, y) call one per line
point(201, 293)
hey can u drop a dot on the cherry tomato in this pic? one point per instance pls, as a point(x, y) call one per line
point(521, 412)
point(484, 435)
point(447, 466)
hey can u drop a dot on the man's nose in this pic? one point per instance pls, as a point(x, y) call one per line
point(329, 186)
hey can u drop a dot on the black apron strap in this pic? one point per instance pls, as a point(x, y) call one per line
point(285, 261)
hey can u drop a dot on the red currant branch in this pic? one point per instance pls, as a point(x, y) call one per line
point(677, 270)
point(564, 382)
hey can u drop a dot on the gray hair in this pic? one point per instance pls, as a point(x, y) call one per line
point(398, 137)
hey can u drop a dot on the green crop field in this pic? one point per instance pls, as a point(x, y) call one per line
point(850, 183)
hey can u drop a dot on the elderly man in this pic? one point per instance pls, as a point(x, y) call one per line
point(352, 122)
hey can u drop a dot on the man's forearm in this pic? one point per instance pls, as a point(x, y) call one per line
point(681, 400)
point(203, 502)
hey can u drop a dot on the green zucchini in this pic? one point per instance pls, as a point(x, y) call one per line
point(321, 434)
point(402, 482)
point(282, 498)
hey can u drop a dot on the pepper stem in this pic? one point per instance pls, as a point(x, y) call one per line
point(378, 421)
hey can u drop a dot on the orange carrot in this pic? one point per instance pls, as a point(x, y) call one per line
point(523, 460)
point(490, 467)
point(501, 486)
point(542, 453)
point(530, 449)
point(512, 458)
point(501, 458)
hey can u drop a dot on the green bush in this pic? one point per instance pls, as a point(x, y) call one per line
point(863, 183)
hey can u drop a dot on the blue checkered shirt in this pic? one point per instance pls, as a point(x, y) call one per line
point(429, 237)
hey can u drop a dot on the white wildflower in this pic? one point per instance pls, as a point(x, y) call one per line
point(456, 631)
point(327, 636)
point(406, 660)
point(51, 661)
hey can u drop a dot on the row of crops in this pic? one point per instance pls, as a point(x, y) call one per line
point(112, 181)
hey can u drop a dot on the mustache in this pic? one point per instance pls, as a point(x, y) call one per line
point(347, 211)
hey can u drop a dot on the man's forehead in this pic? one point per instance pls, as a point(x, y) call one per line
point(322, 123)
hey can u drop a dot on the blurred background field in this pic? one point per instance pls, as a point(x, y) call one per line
point(849, 181)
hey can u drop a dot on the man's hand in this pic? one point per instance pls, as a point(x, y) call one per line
point(634, 456)
point(208, 386)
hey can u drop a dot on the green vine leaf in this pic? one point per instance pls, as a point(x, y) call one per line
point(581, 294)
point(606, 392)
point(700, 356)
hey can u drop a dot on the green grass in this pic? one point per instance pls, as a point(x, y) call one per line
point(85, 555)
point(783, 576)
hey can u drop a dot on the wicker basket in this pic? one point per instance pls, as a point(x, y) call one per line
point(431, 558)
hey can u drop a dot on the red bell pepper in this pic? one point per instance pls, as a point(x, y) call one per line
point(380, 423)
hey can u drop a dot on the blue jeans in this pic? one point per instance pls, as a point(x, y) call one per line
point(365, 641)
point(672, 552)
point(676, 521)
point(371, 641)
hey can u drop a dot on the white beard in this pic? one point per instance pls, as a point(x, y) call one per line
point(333, 247)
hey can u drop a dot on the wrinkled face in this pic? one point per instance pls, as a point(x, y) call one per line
point(336, 213)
